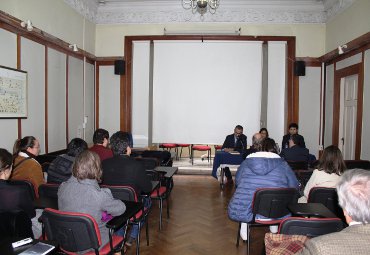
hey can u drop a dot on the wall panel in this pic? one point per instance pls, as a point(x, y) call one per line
point(309, 108)
point(365, 139)
point(75, 98)
point(56, 100)
point(329, 93)
point(8, 57)
point(109, 98)
point(33, 61)
point(89, 102)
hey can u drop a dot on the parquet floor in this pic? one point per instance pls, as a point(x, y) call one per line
point(198, 222)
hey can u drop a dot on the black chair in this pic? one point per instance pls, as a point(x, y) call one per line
point(296, 165)
point(162, 192)
point(49, 190)
point(27, 185)
point(271, 203)
point(128, 193)
point(362, 164)
point(76, 232)
point(327, 197)
point(149, 163)
point(16, 225)
point(310, 227)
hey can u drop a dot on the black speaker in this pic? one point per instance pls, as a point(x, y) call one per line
point(299, 68)
point(119, 67)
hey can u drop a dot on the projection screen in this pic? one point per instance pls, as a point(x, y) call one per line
point(202, 90)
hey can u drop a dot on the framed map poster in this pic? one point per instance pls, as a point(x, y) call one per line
point(13, 93)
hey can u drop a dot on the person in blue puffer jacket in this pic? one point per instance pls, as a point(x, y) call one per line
point(262, 169)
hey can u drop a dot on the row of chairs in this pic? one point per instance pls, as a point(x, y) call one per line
point(273, 203)
point(191, 147)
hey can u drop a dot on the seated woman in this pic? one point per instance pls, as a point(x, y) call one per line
point(327, 174)
point(82, 194)
point(60, 169)
point(25, 166)
point(13, 197)
point(264, 133)
point(262, 169)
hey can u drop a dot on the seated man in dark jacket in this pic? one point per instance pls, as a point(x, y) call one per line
point(125, 170)
point(293, 130)
point(60, 169)
point(295, 152)
point(234, 142)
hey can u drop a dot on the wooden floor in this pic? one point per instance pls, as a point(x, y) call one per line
point(198, 222)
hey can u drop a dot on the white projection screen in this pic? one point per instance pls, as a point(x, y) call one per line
point(202, 90)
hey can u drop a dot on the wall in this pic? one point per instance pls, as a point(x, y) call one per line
point(365, 150)
point(310, 39)
point(60, 84)
point(352, 23)
point(56, 18)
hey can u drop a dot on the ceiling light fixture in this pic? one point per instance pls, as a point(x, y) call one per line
point(341, 49)
point(201, 6)
point(73, 47)
point(27, 24)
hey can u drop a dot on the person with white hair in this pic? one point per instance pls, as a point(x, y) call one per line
point(354, 198)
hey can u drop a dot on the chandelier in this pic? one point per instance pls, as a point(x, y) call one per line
point(201, 6)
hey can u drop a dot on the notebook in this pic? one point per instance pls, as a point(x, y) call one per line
point(38, 249)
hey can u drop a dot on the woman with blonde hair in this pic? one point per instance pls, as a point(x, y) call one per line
point(82, 193)
point(330, 168)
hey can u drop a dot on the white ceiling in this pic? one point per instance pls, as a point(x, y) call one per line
point(230, 11)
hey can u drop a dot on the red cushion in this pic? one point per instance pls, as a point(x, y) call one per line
point(162, 191)
point(201, 148)
point(183, 145)
point(104, 250)
point(168, 145)
point(218, 147)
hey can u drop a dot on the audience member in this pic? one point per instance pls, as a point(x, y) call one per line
point(14, 197)
point(295, 152)
point(354, 198)
point(234, 142)
point(256, 143)
point(25, 167)
point(60, 169)
point(100, 140)
point(293, 130)
point(263, 169)
point(124, 170)
point(327, 174)
point(264, 133)
point(82, 194)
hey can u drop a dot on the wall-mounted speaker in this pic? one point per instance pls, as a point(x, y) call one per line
point(119, 67)
point(299, 68)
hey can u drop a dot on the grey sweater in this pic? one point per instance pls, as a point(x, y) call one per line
point(87, 197)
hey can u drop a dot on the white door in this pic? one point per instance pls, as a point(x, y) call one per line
point(348, 116)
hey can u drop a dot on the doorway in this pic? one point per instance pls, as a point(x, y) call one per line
point(347, 114)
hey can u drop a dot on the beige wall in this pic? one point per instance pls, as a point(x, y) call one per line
point(352, 23)
point(54, 17)
point(310, 39)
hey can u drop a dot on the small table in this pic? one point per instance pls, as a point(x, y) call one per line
point(169, 170)
point(311, 210)
point(131, 209)
point(6, 247)
point(224, 159)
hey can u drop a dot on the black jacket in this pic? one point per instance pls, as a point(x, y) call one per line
point(240, 145)
point(286, 138)
point(123, 170)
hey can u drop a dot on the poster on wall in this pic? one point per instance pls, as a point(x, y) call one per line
point(13, 93)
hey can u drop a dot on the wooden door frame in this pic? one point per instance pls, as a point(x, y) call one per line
point(338, 75)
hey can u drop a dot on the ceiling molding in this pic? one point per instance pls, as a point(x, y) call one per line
point(233, 11)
